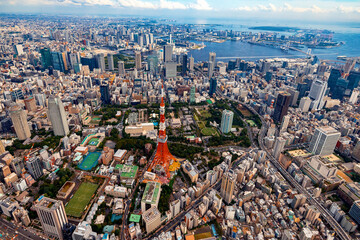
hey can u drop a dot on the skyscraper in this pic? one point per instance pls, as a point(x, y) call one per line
point(19, 119)
point(184, 65)
point(138, 60)
point(279, 147)
point(212, 57)
point(121, 67)
point(168, 51)
point(213, 85)
point(30, 104)
point(110, 60)
point(105, 93)
point(285, 123)
point(52, 216)
point(46, 59)
point(226, 121)
point(192, 94)
point(334, 76)
point(354, 96)
point(281, 106)
point(34, 167)
point(191, 63)
point(317, 94)
point(153, 62)
point(57, 116)
point(100, 60)
point(324, 141)
point(170, 69)
point(58, 61)
point(339, 91)
point(227, 186)
point(354, 79)
point(305, 104)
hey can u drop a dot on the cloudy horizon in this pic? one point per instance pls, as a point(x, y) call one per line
point(316, 10)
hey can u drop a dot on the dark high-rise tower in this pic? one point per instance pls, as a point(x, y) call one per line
point(338, 91)
point(213, 84)
point(334, 76)
point(105, 93)
point(46, 59)
point(281, 106)
point(354, 79)
point(184, 65)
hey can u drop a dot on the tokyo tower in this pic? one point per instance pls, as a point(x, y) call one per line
point(164, 162)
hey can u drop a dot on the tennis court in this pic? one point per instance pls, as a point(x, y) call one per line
point(81, 199)
point(93, 142)
point(90, 161)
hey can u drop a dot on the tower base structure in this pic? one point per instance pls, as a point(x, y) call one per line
point(164, 163)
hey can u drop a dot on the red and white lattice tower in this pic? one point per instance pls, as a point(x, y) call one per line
point(163, 158)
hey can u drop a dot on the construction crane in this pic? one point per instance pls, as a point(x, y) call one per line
point(26, 158)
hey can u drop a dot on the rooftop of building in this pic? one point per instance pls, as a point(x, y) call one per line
point(151, 192)
point(127, 171)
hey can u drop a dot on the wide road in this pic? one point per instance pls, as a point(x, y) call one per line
point(21, 232)
point(324, 212)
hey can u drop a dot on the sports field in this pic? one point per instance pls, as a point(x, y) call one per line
point(93, 142)
point(90, 161)
point(81, 199)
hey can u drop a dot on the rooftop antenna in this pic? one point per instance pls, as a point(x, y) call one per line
point(170, 38)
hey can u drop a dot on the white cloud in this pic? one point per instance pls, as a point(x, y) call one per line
point(200, 5)
point(141, 4)
point(136, 4)
point(171, 5)
point(285, 8)
point(345, 9)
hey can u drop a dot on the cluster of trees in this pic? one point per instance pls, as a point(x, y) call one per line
point(166, 191)
point(51, 189)
point(242, 140)
point(184, 151)
point(213, 163)
point(253, 117)
point(51, 141)
point(108, 112)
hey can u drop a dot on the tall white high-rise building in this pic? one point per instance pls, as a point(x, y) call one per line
point(305, 104)
point(279, 147)
point(354, 96)
point(168, 51)
point(110, 60)
point(138, 60)
point(19, 119)
point(191, 63)
point(52, 216)
point(228, 182)
point(212, 57)
point(121, 67)
point(100, 59)
point(324, 141)
point(226, 121)
point(57, 116)
point(317, 94)
point(285, 123)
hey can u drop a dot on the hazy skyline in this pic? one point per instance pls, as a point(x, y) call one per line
point(317, 10)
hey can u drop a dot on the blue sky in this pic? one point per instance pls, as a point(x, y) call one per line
point(317, 10)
